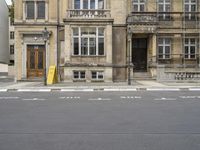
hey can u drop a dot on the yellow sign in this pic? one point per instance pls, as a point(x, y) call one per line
point(52, 75)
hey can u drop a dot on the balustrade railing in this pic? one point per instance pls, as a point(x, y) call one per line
point(88, 13)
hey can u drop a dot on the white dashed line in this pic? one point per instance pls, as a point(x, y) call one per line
point(34, 99)
point(3, 90)
point(165, 99)
point(99, 99)
point(9, 97)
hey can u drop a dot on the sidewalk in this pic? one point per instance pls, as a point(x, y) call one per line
point(138, 85)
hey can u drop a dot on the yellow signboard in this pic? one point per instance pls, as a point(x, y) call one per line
point(52, 75)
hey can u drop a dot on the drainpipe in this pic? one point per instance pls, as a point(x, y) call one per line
point(58, 47)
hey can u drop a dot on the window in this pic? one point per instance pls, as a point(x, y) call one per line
point(12, 49)
point(35, 10)
point(164, 48)
point(164, 6)
point(12, 35)
point(88, 4)
point(190, 8)
point(138, 5)
point(40, 10)
point(88, 41)
point(190, 48)
point(79, 75)
point(97, 75)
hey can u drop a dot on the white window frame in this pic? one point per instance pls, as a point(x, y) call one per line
point(164, 44)
point(190, 4)
point(189, 45)
point(164, 5)
point(35, 10)
point(79, 74)
point(98, 73)
point(88, 36)
point(89, 7)
point(138, 3)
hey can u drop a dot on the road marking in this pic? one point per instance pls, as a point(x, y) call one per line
point(34, 99)
point(194, 89)
point(165, 99)
point(163, 89)
point(99, 99)
point(3, 90)
point(190, 97)
point(77, 90)
point(34, 90)
point(120, 90)
point(9, 97)
point(130, 97)
point(75, 97)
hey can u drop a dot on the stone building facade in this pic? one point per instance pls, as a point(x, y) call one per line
point(4, 51)
point(108, 40)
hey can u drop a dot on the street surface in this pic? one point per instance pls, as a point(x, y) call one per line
point(141, 120)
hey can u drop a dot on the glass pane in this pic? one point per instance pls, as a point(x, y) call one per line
point(101, 31)
point(77, 4)
point(76, 46)
point(101, 46)
point(92, 46)
point(30, 10)
point(82, 75)
point(76, 74)
point(75, 32)
point(92, 31)
point(94, 75)
point(32, 59)
point(40, 60)
point(167, 49)
point(192, 41)
point(41, 10)
point(186, 50)
point(100, 75)
point(167, 41)
point(160, 8)
point(92, 4)
point(192, 50)
point(84, 46)
point(135, 8)
point(142, 8)
point(85, 4)
point(84, 31)
point(160, 49)
point(101, 4)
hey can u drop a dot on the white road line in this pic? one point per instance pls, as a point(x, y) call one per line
point(163, 89)
point(194, 89)
point(99, 99)
point(190, 97)
point(165, 99)
point(34, 99)
point(3, 90)
point(34, 90)
point(76, 97)
point(9, 97)
point(120, 90)
point(76, 90)
point(130, 97)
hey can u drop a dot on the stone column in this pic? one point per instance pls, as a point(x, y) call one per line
point(67, 43)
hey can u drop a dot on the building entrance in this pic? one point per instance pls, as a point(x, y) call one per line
point(139, 54)
point(35, 61)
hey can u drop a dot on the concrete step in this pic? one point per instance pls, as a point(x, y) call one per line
point(142, 75)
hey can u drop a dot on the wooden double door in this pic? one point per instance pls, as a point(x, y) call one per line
point(35, 61)
point(139, 54)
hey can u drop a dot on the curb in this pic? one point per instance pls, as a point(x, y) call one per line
point(100, 89)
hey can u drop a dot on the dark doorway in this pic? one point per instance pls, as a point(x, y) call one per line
point(35, 61)
point(139, 54)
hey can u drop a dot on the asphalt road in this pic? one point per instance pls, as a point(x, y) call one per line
point(100, 121)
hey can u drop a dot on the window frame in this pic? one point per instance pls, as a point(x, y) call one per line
point(164, 9)
point(12, 35)
point(96, 4)
point(190, 4)
point(88, 36)
point(98, 73)
point(36, 13)
point(189, 46)
point(164, 44)
point(79, 74)
point(138, 3)
point(12, 49)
